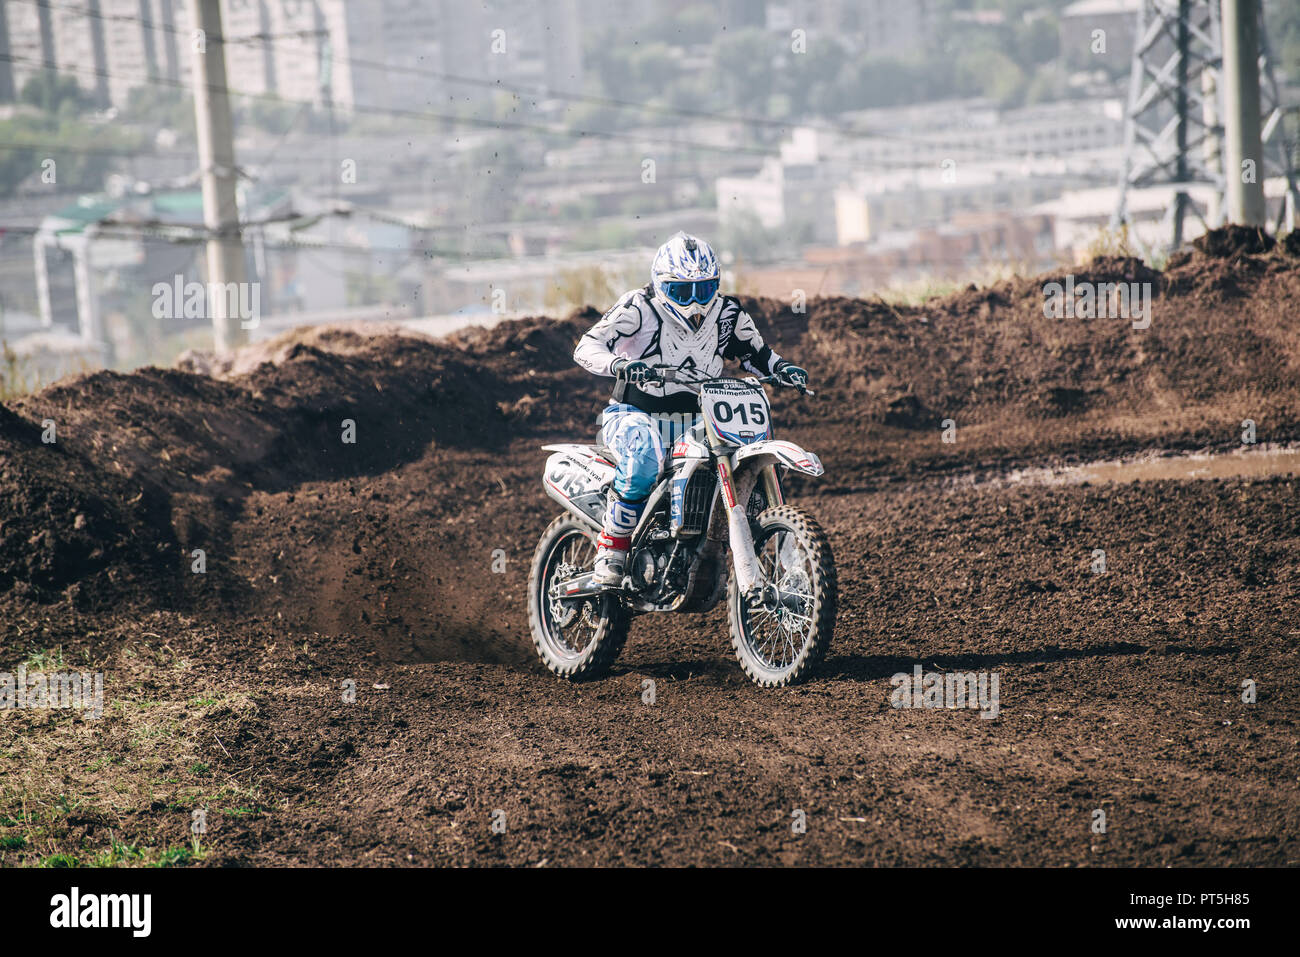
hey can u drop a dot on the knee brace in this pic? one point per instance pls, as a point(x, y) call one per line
point(638, 467)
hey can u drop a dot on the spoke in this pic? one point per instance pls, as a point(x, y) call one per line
point(765, 640)
point(777, 635)
point(574, 554)
point(795, 574)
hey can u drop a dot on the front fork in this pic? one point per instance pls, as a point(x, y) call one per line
point(772, 486)
point(749, 576)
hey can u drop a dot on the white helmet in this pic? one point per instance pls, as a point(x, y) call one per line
point(685, 278)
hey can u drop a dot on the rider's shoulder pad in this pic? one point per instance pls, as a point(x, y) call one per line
point(633, 301)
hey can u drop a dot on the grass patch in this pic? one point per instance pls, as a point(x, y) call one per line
point(181, 856)
point(121, 854)
point(917, 292)
point(118, 854)
point(118, 791)
point(46, 659)
point(1110, 242)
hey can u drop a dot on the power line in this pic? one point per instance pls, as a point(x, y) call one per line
point(452, 119)
point(258, 37)
point(98, 151)
point(150, 24)
point(189, 235)
point(146, 152)
point(674, 112)
point(518, 89)
point(304, 104)
point(302, 110)
point(197, 236)
point(430, 74)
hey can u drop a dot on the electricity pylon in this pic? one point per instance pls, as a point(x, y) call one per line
point(1173, 124)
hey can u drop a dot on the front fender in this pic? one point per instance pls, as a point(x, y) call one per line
point(776, 452)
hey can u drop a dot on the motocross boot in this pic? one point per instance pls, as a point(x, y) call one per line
point(615, 539)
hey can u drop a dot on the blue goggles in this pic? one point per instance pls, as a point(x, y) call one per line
point(685, 293)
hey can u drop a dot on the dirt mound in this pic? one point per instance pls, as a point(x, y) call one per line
point(161, 462)
point(1233, 240)
point(340, 339)
point(65, 520)
point(1217, 341)
point(343, 468)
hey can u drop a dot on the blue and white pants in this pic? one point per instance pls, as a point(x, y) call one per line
point(639, 441)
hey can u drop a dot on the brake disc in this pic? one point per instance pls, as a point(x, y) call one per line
point(562, 612)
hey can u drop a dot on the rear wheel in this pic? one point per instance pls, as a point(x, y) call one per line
point(576, 638)
point(782, 636)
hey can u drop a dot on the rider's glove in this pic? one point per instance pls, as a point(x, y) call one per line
point(634, 371)
point(791, 374)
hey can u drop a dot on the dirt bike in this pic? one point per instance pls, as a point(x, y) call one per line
point(718, 490)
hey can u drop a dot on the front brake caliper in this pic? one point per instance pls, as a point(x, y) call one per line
point(762, 597)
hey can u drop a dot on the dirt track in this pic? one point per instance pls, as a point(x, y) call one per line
point(373, 562)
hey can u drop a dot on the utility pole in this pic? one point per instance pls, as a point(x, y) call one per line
point(1241, 113)
point(8, 94)
point(226, 273)
point(1183, 40)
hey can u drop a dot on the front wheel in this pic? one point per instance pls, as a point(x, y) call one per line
point(782, 635)
point(575, 638)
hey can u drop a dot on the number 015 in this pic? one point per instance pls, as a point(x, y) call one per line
point(751, 414)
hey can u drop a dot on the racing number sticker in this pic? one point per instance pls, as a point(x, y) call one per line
point(740, 412)
point(737, 409)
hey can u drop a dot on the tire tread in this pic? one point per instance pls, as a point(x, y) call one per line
point(825, 611)
point(610, 636)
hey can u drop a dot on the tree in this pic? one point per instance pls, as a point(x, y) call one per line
point(744, 68)
point(50, 92)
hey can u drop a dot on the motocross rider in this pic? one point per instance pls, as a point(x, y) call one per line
point(678, 319)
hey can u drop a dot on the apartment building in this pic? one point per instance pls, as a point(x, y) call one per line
point(436, 55)
point(874, 27)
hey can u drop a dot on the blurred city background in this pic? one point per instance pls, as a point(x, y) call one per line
point(442, 164)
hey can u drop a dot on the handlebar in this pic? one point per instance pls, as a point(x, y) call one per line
point(670, 373)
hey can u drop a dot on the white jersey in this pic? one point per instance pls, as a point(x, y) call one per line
point(634, 329)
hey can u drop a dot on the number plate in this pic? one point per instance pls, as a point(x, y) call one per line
point(736, 412)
